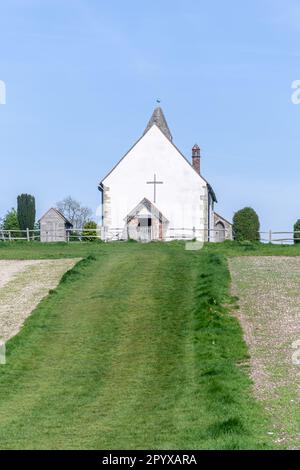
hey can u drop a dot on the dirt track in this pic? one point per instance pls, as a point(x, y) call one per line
point(269, 298)
point(22, 286)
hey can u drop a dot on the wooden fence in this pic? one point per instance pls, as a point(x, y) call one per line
point(108, 234)
point(279, 237)
point(12, 235)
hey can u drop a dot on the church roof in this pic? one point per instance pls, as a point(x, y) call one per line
point(159, 119)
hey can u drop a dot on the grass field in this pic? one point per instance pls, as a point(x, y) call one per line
point(136, 348)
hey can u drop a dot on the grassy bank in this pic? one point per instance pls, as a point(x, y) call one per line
point(135, 349)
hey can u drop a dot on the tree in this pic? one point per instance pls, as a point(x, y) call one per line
point(26, 211)
point(246, 225)
point(297, 229)
point(10, 221)
point(90, 232)
point(77, 214)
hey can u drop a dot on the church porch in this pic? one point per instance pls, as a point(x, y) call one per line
point(145, 223)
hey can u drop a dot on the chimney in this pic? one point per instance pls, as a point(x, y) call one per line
point(196, 158)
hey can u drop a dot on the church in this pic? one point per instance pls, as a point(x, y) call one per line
point(155, 193)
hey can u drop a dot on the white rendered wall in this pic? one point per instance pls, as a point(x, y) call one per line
point(178, 198)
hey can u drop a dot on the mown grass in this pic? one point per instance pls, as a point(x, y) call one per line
point(37, 250)
point(136, 348)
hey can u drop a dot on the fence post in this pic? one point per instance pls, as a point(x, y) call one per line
point(9, 236)
point(270, 236)
point(27, 232)
point(68, 235)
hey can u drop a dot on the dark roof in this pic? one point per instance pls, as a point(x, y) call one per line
point(159, 119)
point(58, 213)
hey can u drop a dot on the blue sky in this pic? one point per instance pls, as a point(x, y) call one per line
point(82, 77)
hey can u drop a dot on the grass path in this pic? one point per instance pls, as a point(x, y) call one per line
point(123, 355)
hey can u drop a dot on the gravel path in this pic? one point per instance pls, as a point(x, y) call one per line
point(10, 268)
point(22, 286)
point(269, 298)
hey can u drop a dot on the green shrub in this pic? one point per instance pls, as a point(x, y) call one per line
point(246, 225)
point(297, 229)
point(10, 221)
point(90, 233)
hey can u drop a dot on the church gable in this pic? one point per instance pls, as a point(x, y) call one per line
point(154, 150)
point(156, 141)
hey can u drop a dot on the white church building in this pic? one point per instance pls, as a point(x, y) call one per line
point(155, 193)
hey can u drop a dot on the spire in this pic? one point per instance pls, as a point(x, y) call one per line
point(159, 119)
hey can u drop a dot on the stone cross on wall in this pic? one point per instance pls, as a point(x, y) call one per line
point(154, 182)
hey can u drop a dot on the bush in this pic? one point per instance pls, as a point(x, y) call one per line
point(297, 229)
point(246, 225)
point(10, 221)
point(89, 233)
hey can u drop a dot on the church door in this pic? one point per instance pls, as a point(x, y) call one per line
point(220, 232)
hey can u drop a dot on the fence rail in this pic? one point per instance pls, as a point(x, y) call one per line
point(12, 235)
point(272, 237)
point(172, 233)
point(109, 234)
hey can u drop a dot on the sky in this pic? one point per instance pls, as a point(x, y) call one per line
point(82, 78)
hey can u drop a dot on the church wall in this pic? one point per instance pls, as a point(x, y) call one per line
point(182, 198)
point(106, 206)
point(211, 222)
